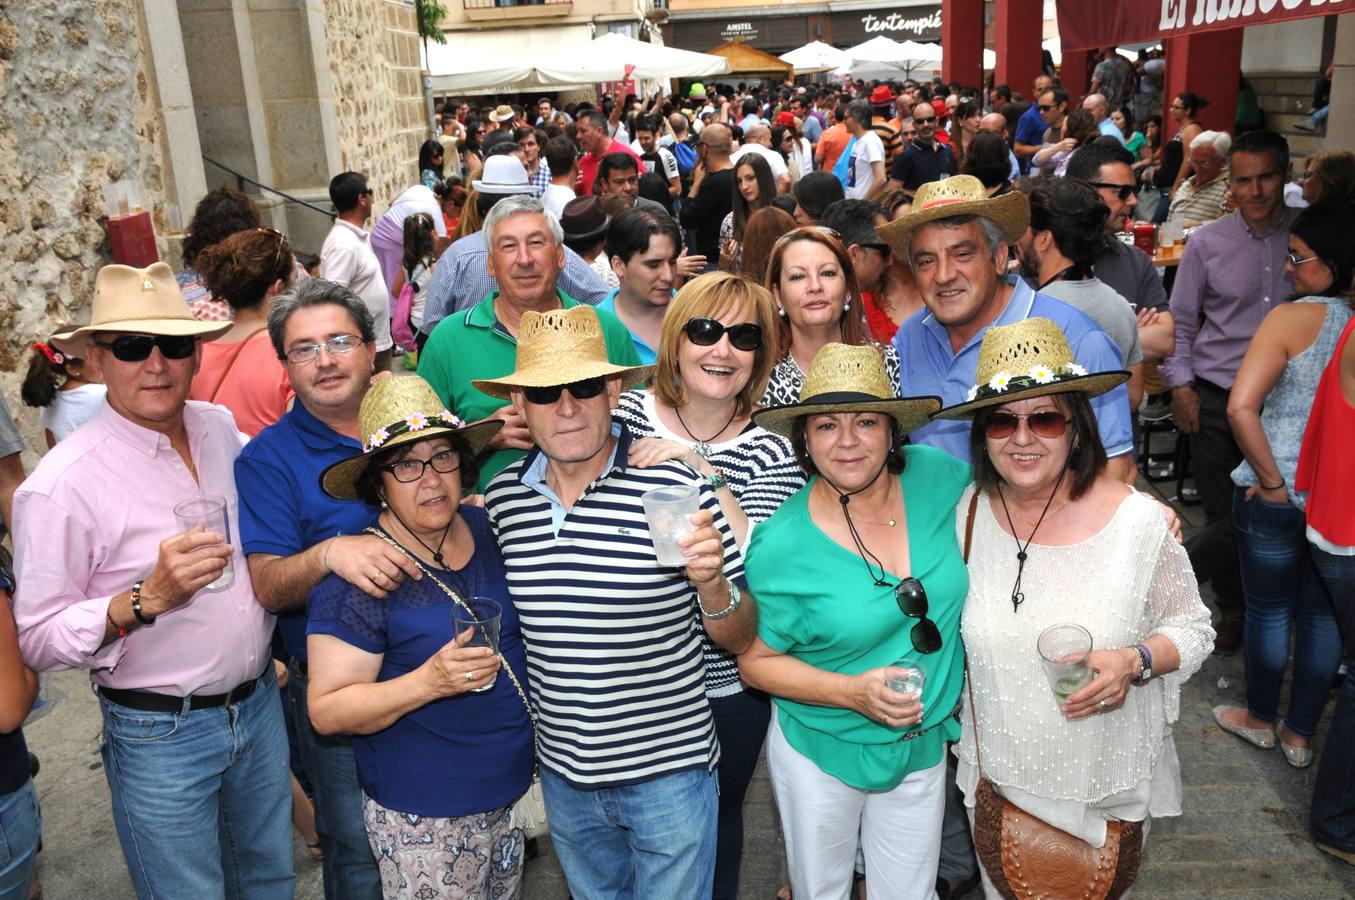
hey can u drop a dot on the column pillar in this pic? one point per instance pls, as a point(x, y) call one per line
point(1206, 64)
point(962, 41)
point(1073, 75)
point(1017, 27)
point(1341, 128)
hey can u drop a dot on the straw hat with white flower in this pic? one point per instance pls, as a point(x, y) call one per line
point(395, 411)
point(1030, 358)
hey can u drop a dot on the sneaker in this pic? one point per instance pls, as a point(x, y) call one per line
point(1156, 407)
point(1307, 125)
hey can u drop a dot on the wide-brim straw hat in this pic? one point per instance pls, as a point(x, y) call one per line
point(1030, 358)
point(958, 195)
point(400, 410)
point(140, 301)
point(846, 378)
point(557, 348)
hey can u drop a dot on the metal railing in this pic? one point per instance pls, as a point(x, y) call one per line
point(241, 179)
point(498, 4)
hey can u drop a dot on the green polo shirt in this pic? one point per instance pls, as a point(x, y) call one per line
point(474, 345)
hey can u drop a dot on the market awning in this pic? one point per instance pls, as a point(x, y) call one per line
point(498, 61)
point(883, 57)
point(752, 62)
point(814, 56)
point(615, 57)
point(1092, 24)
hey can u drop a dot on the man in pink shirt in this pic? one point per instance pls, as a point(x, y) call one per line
point(194, 745)
point(590, 132)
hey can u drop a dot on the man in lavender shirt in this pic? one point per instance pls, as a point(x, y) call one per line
point(194, 746)
point(1232, 275)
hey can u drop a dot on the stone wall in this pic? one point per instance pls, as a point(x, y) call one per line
point(373, 48)
point(77, 111)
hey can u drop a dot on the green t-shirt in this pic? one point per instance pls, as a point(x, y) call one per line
point(1135, 144)
point(473, 345)
point(817, 603)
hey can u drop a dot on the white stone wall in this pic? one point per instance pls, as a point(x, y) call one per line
point(77, 111)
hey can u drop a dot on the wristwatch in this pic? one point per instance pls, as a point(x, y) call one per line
point(1145, 663)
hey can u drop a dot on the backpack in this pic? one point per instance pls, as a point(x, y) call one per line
point(685, 156)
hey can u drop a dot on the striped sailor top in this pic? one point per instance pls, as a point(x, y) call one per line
point(613, 639)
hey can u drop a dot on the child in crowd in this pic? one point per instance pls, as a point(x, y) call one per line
point(64, 388)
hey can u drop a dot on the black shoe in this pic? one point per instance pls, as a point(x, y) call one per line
point(944, 891)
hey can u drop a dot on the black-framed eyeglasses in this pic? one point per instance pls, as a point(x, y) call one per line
point(138, 347)
point(911, 597)
point(1295, 260)
point(1124, 190)
point(706, 332)
point(579, 390)
point(444, 462)
point(304, 353)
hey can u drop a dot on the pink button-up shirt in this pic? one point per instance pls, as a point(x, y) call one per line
point(90, 521)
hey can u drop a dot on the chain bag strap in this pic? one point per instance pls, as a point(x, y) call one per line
point(529, 812)
point(1026, 857)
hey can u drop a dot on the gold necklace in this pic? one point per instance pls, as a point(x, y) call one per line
point(1051, 515)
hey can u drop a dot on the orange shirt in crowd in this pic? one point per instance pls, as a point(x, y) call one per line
point(252, 383)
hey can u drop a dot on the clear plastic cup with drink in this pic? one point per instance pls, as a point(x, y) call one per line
point(483, 617)
point(669, 511)
point(1063, 652)
point(210, 512)
point(908, 677)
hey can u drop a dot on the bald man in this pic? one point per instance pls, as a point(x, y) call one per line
point(1100, 110)
point(996, 123)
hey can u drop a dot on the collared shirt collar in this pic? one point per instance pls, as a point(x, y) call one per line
point(481, 315)
point(1283, 224)
point(316, 434)
point(1016, 310)
point(534, 472)
point(146, 440)
point(356, 229)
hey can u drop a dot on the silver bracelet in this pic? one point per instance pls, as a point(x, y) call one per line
point(734, 600)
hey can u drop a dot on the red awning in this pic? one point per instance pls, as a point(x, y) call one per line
point(1091, 24)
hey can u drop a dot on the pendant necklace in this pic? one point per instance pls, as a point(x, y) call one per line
point(702, 446)
point(1018, 596)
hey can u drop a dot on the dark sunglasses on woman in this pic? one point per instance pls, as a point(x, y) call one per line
point(706, 332)
point(1047, 423)
point(137, 347)
point(580, 390)
point(911, 597)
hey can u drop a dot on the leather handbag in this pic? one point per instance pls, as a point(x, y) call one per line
point(1026, 857)
point(529, 812)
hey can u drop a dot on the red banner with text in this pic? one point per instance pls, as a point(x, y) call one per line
point(1091, 24)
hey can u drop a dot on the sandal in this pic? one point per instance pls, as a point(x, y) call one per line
point(317, 855)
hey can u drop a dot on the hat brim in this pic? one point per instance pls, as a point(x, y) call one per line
point(1010, 211)
point(499, 187)
point(208, 331)
point(587, 235)
point(910, 412)
point(555, 377)
point(340, 479)
point(1093, 385)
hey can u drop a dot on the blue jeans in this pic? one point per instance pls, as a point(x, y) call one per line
point(202, 799)
point(1282, 590)
point(20, 834)
point(641, 841)
point(1333, 813)
point(350, 870)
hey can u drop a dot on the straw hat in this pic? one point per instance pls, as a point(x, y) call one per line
point(400, 410)
point(958, 195)
point(1030, 358)
point(502, 113)
point(560, 347)
point(846, 378)
point(141, 301)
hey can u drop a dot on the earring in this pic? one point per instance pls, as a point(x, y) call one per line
point(846, 306)
point(781, 312)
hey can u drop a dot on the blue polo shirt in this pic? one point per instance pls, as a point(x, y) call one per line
point(930, 367)
point(283, 511)
point(648, 355)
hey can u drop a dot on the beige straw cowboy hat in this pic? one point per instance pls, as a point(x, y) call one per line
point(1030, 358)
point(560, 347)
point(959, 195)
point(846, 378)
point(400, 410)
point(142, 301)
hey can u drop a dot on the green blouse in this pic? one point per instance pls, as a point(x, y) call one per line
point(817, 603)
point(1135, 144)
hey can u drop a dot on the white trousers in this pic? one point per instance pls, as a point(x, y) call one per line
point(823, 819)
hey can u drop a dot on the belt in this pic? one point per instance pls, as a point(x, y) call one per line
point(149, 701)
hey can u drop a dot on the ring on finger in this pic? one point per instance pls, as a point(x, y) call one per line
point(1103, 705)
point(376, 573)
point(470, 676)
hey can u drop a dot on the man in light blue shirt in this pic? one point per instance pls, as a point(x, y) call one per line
point(1100, 110)
point(643, 248)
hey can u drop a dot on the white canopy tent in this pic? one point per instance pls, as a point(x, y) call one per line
point(882, 57)
point(814, 56)
point(615, 57)
point(1128, 51)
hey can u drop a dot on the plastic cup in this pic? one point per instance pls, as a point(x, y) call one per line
point(483, 618)
point(669, 511)
point(210, 513)
point(1063, 651)
point(910, 678)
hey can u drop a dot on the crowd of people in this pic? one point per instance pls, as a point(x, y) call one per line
point(889, 339)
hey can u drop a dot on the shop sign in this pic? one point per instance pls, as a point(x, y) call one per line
point(1090, 24)
point(908, 23)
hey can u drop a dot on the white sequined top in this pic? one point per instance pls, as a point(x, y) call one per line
point(1129, 581)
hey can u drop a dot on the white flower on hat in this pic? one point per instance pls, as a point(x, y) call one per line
point(973, 392)
point(1042, 374)
point(1075, 369)
point(417, 422)
point(449, 418)
point(377, 439)
point(1000, 381)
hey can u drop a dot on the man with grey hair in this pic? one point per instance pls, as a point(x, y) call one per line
point(1100, 110)
point(293, 534)
point(1202, 196)
point(525, 254)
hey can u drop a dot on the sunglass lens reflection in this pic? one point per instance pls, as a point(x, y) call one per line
point(1047, 424)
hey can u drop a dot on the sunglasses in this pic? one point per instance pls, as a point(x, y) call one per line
point(580, 390)
point(1045, 107)
point(924, 119)
point(911, 597)
point(138, 347)
point(1125, 190)
point(1046, 423)
point(706, 332)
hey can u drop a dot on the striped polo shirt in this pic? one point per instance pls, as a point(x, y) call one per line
point(613, 639)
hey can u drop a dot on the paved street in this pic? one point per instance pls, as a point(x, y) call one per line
point(1242, 834)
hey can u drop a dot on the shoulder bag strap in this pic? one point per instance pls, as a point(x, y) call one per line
point(231, 365)
point(969, 682)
